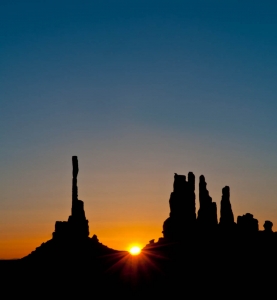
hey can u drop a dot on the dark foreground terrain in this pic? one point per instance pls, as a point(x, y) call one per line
point(194, 269)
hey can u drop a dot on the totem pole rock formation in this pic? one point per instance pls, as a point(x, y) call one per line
point(182, 208)
point(207, 213)
point(77, 224)
point(70, 240)
point(226, 213)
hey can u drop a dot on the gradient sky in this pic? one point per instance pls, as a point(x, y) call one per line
point(137, 90)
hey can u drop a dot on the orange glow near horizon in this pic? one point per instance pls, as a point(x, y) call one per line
point(121, 203)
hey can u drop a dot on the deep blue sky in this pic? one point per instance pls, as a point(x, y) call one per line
point(149, 86)
point(171, 64)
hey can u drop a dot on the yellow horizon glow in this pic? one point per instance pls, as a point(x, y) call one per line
point(135, 250)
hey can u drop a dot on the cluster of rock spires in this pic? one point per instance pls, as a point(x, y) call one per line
point(182, 222)
point(183, 219)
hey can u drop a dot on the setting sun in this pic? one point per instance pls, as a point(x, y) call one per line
point(135, 250)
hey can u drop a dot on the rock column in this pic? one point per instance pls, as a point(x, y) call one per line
point(207, 213)
point(226, 213)
point(182, 208)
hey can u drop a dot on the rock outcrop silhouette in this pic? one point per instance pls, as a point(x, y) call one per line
point(268, 227)
point(247, 224)
point(70, 240)
point(182, 208)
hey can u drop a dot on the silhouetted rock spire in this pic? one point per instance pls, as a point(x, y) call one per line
point(207, 213)
point(191, 197)
point(226, 213)
point(182, 207)
point(71, 241)
point(77, 225)
point(75, 171)
point(182, 200)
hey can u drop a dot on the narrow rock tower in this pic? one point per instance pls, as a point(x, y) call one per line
point(207, 213)
point(77, 224)
point(226, 213)
point(77, 221)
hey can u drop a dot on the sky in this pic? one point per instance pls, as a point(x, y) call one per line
point(138, 90)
